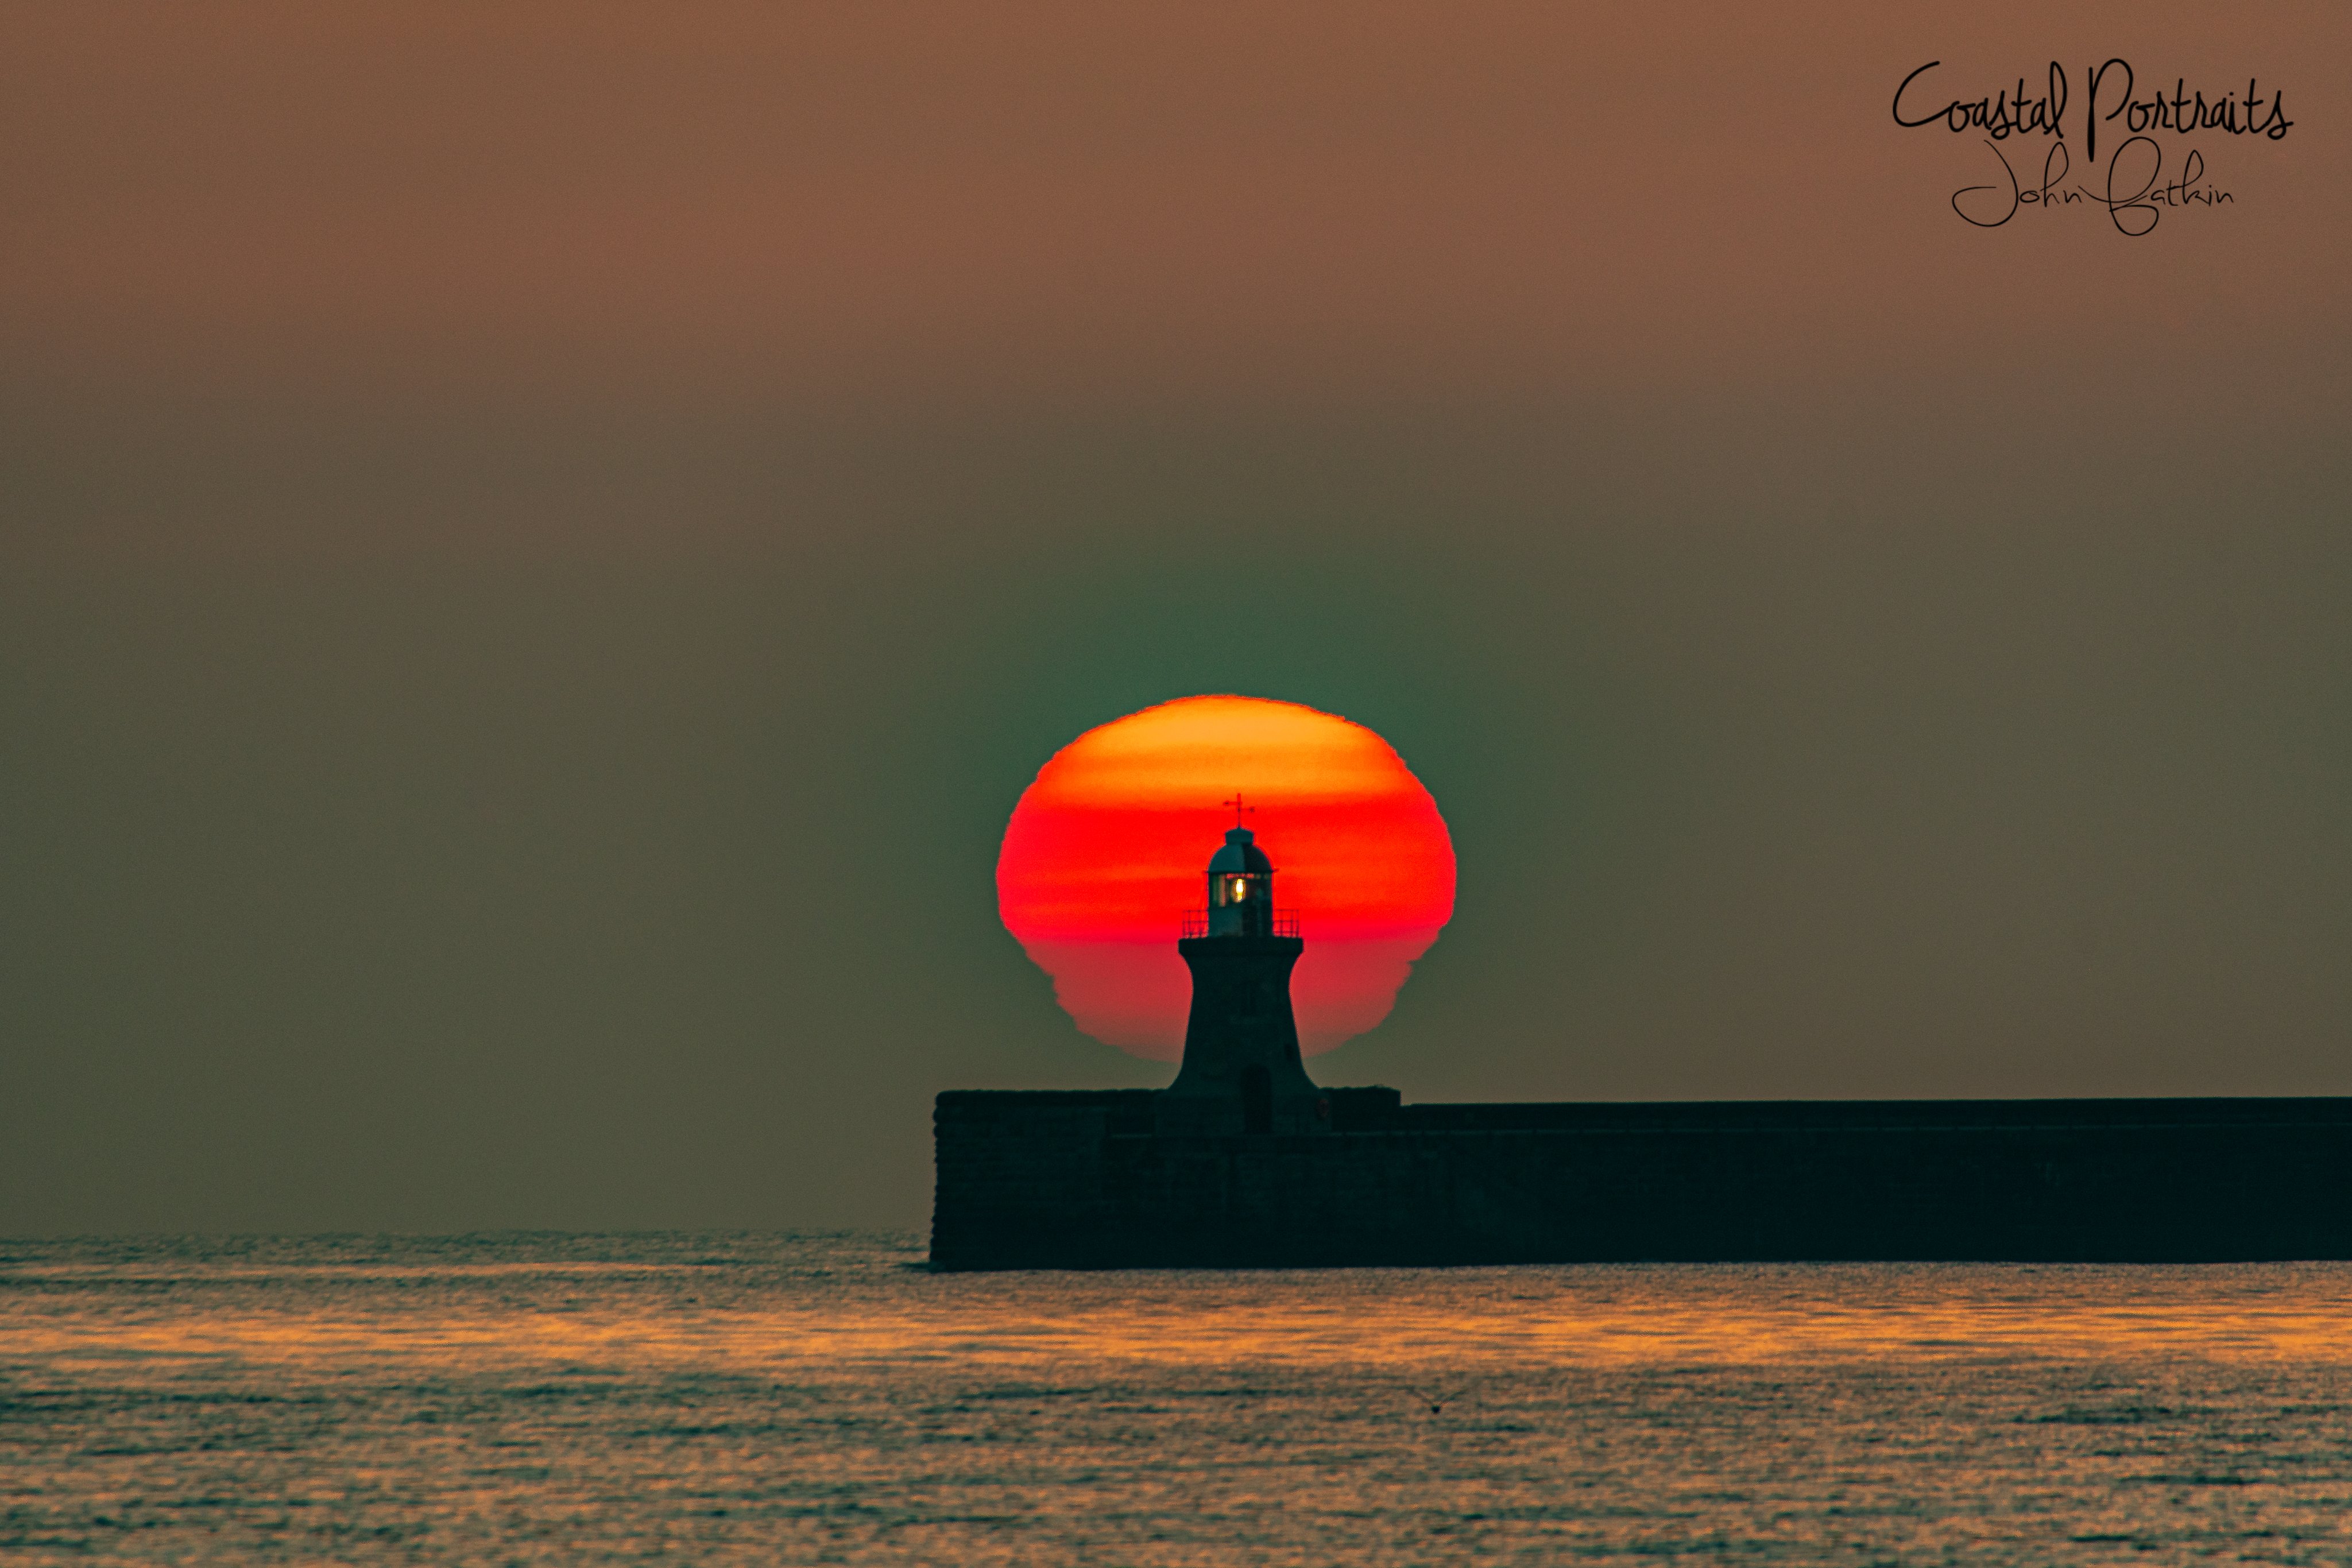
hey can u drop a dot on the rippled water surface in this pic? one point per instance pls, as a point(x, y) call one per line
point(765, 1399)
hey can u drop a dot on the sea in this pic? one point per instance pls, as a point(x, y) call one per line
point(828, 1398)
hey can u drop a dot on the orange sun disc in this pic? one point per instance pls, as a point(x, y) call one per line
point(1109, 847)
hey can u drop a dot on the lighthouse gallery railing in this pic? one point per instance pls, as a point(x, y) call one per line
point(1285, 923)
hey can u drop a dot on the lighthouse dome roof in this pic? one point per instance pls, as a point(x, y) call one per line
point(1240, 854)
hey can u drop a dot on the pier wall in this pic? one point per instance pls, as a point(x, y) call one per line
point(1081, 1180)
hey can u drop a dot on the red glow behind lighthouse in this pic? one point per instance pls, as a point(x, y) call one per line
point(1103, 856)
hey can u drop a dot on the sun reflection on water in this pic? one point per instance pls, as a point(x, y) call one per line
point(1729, 1315)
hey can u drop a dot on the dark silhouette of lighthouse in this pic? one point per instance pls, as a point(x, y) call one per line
point(1242, 1071)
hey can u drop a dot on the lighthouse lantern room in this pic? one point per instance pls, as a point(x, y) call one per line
point(1241, 888)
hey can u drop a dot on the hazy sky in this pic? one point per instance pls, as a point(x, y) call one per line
point(538, 547)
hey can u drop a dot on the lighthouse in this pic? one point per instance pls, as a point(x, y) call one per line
point(1242, 1071)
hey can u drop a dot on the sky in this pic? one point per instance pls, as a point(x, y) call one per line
point(540, 546)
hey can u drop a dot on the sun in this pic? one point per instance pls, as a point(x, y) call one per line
point(1107, 852)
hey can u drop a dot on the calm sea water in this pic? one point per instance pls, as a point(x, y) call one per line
point(798, 1399)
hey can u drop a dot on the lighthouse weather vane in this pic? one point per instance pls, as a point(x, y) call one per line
point(1238, 807)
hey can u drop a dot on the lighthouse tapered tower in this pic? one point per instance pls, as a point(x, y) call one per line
point(1242, 1071)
